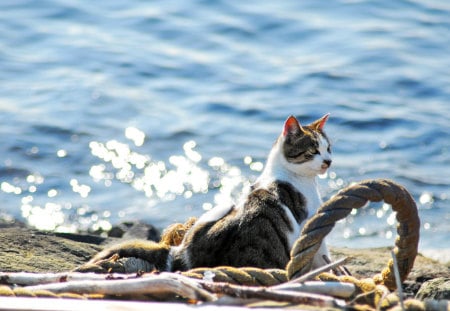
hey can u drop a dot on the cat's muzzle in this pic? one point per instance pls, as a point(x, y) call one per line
point(325, 165)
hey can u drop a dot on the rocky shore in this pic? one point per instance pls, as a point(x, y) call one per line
point(29, 250)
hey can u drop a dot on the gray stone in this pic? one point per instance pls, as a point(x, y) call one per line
point(437, 289)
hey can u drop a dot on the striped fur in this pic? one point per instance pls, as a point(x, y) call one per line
point(254, 235)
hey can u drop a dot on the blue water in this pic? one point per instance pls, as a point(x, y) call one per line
point(119, 110)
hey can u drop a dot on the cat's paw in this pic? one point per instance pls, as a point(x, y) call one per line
point(107, 265)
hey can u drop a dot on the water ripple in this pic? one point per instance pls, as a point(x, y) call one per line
point(159, 111)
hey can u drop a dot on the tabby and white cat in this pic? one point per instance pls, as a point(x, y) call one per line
point(260, 230)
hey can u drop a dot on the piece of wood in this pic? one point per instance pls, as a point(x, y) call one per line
point(335, 289)
point(64, 304)
point(29, 278)
point(162, 284)
point(172, 283)
point(267, 293)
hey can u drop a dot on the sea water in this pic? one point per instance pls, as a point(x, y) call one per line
point(158, 111)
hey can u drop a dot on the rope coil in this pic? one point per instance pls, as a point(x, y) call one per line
point(339, 206)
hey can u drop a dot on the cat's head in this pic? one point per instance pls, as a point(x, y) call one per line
point(306, 150)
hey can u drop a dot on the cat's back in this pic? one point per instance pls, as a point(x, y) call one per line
point(255, 234)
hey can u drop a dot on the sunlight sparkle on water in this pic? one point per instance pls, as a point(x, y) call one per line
point(388, 235)
point(137, 136)
point(248, 160)
point(97, 172)
point(8, 188)
point(43, 218)
point(35, 179)
point(426, 198)
point(43, 208)
point(82, 190)
point(190, 152)
point(183, 175)
point(153, 178)
point(334, 182)
point(61, 153)
point(391, 220)
point(216, 162)
point(52, 193)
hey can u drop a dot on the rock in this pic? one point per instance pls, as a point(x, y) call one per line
point(368, 262)
point(436, 289)
point(7, 221)
point(135, 230)
point(23, 249)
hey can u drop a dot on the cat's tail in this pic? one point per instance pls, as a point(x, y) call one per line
point(141, 254)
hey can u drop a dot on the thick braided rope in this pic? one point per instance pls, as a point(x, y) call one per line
point(339, 206)
point(240, 276)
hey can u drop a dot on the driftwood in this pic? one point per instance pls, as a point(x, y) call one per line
point(28, 279)
point(51, 304)
point(335, 289)
point(270, 293)
point(165, 283)
point(313, 293)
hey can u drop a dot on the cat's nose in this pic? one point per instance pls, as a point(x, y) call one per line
point(327, 162)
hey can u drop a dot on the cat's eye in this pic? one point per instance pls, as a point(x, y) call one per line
point(329, 149)
point(314, 151)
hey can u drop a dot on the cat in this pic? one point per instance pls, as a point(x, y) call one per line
point(261, 228)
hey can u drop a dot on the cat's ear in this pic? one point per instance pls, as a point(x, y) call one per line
point(291, 126)
point(320, 123)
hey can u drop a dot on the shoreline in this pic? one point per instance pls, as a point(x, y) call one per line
point(440, 255)
point(28, 250)
point(40, 248)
